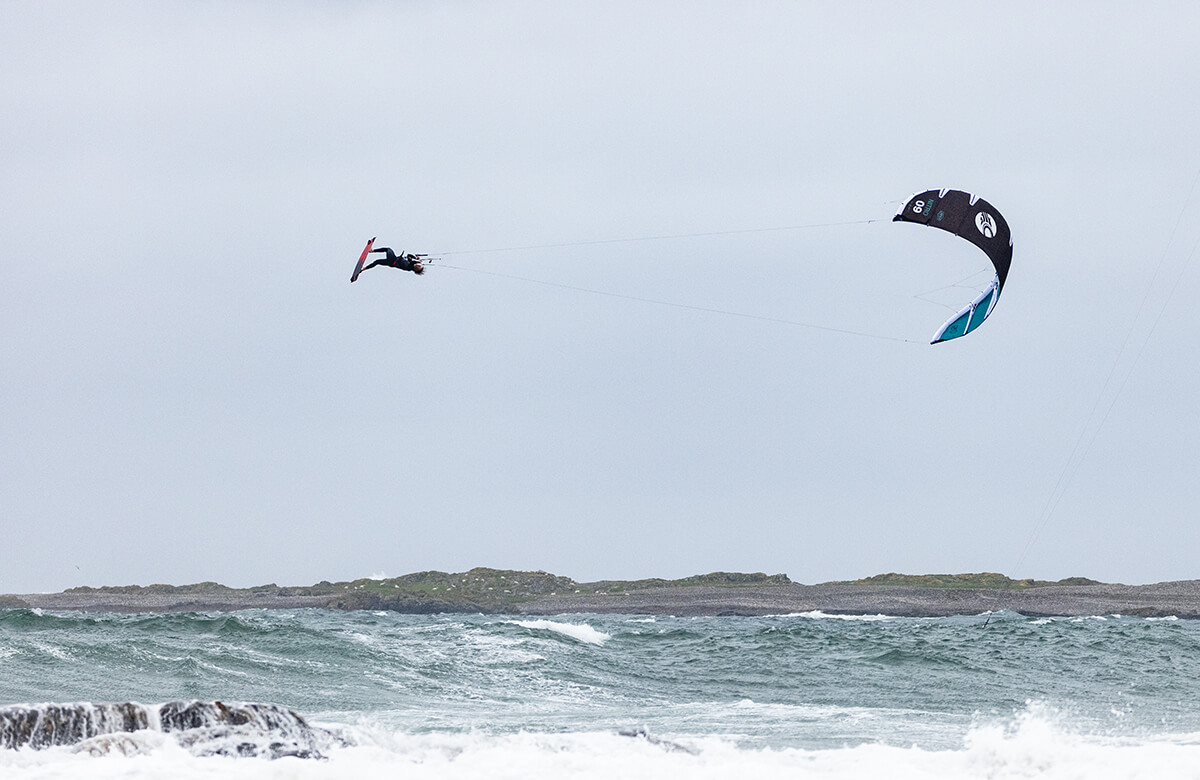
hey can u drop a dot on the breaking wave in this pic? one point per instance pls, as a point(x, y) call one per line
point(581, 632)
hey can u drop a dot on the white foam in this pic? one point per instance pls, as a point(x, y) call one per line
point(578, 631)
point(1033, 747)
point(51, 650)
point(817, 614)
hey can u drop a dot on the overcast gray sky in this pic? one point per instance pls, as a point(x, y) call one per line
point(192, 390)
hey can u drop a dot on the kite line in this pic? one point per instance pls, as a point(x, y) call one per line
point(660, 302)
point(1072, 464)
point(668, 237)
point(688, 306)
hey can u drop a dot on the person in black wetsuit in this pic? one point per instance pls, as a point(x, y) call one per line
point(409, 262)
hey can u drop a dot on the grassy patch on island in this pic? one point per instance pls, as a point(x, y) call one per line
point(989, 580)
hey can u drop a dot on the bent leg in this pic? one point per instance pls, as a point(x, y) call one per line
point(391, 256)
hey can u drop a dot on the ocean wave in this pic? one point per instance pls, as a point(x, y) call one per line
point(581, 632)
point(739, 691)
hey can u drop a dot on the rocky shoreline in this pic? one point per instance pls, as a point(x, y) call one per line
point(1171, 599)
point(538, 593)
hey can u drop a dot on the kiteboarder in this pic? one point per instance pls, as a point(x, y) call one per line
point(405, 262)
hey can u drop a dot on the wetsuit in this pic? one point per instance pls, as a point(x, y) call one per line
point(402, 261)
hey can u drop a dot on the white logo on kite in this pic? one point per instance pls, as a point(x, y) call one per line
point(986, 224)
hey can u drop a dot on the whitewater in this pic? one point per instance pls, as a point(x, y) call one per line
point(328, 694)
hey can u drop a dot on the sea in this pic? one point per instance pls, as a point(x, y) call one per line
point(329, 694)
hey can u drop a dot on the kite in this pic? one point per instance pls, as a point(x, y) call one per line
point(978, 221)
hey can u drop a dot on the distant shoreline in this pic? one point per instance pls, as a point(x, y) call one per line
point(496, 591)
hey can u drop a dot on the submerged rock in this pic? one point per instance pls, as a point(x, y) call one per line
point(48, 725)
point(665, 744)
point(204, 728)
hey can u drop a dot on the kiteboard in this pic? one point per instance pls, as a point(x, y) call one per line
point(362, 259)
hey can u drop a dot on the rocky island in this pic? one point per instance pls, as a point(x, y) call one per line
point(498, 591)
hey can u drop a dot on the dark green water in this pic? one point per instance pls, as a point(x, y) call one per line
point(796, 681)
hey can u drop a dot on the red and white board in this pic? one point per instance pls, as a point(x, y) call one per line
point(361, 259)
